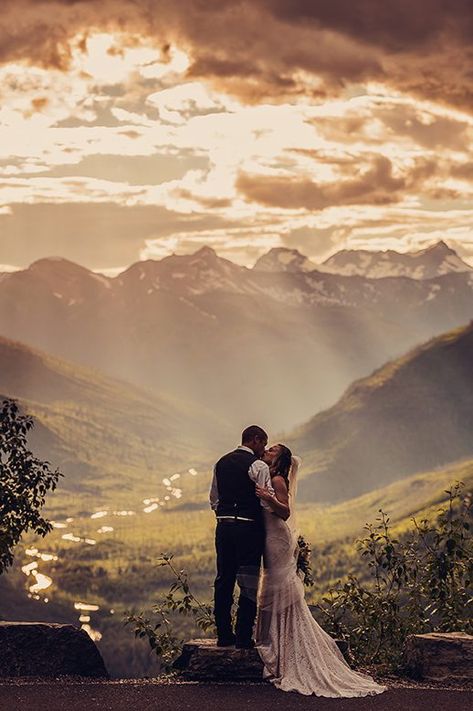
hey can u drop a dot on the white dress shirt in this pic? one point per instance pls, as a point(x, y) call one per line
point(258, 472)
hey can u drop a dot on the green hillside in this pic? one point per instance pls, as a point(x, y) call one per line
point(418, 495)
point(414, 414)
point(113, 441)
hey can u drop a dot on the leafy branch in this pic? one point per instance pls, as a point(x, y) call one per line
point(179, 599)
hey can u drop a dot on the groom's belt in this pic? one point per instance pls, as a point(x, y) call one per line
point(234, 518)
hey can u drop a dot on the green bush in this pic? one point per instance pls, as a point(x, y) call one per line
point(420, 582)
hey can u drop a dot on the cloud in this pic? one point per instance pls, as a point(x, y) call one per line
point(134, 170)
point(271, 49)
point(246, 125)
point(425, 128)
point(374, 186)
point(207, 202)
point(314, 242)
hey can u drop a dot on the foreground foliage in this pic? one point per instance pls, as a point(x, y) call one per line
point(24, 482)
point(420, 582)
point(179, 599)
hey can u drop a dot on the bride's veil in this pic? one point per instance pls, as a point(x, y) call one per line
point(292, 481)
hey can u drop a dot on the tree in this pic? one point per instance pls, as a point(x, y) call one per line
point(24, 482)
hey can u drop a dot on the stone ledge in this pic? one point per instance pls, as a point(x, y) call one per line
point(48, 649)
point(202, 660)
point(440, 656)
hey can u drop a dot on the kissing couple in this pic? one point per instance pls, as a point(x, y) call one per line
point(253, 494)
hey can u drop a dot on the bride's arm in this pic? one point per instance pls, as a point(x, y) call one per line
point(279, 501)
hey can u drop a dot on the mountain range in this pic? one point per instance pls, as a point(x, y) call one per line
point(433, 261)
point(245, 344)
point(414, 414)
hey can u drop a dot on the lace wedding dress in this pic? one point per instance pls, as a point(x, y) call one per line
point(298, 655)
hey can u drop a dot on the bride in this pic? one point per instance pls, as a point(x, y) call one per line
point(298, 655)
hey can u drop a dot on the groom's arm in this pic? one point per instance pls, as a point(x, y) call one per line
point(259, 473)
point(213, 494)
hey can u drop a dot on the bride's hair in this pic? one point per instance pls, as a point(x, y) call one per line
point(282, 464)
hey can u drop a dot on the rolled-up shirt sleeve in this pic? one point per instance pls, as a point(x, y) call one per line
point(259, 473)
point(213, 493)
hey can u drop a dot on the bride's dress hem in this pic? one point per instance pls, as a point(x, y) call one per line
point(283, 685)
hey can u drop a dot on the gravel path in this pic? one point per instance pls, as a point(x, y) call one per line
point(145, 696)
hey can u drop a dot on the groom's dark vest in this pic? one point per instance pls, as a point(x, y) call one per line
point(236, 491)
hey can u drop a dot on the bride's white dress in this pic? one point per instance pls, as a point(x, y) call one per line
point(298, 655)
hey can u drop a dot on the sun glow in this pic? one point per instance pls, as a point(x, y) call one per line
point(110, 58)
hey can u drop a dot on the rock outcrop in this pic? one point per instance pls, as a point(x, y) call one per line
point(202, 660)
point(46, 649)
point(440, 656)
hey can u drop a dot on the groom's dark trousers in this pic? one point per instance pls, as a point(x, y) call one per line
point(239, 546)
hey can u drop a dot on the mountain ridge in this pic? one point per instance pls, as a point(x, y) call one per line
point(412, 414)
point(430, 262)
point(433, 261)
point(206, 330)
point(284, 259)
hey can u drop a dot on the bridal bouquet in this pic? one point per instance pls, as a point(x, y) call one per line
point(303, 561)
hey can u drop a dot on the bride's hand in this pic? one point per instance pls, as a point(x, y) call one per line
point(264, 493)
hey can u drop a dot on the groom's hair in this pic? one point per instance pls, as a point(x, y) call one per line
point(252, 432)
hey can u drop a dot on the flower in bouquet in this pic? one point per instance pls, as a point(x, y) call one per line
point(304, 561)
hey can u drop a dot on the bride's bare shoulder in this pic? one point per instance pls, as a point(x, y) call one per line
point(277, 481)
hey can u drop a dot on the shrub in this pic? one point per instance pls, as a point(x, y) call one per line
point(420, 582)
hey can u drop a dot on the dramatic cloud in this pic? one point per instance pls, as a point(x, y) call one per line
point(269, 48)
point(241, 124)
point(375, 186)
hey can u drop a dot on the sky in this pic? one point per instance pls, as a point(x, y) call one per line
point(133, 129)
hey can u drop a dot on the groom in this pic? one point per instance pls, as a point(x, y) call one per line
point(239, 536)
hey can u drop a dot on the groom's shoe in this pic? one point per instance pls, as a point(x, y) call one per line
point(226, 641)
point(248, 644)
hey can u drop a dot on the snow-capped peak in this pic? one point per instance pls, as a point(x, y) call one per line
point(282, 259)
point(433, 261)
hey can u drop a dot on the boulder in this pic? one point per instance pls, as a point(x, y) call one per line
point(47, 649)
point(440, 656)
point(201, 660)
